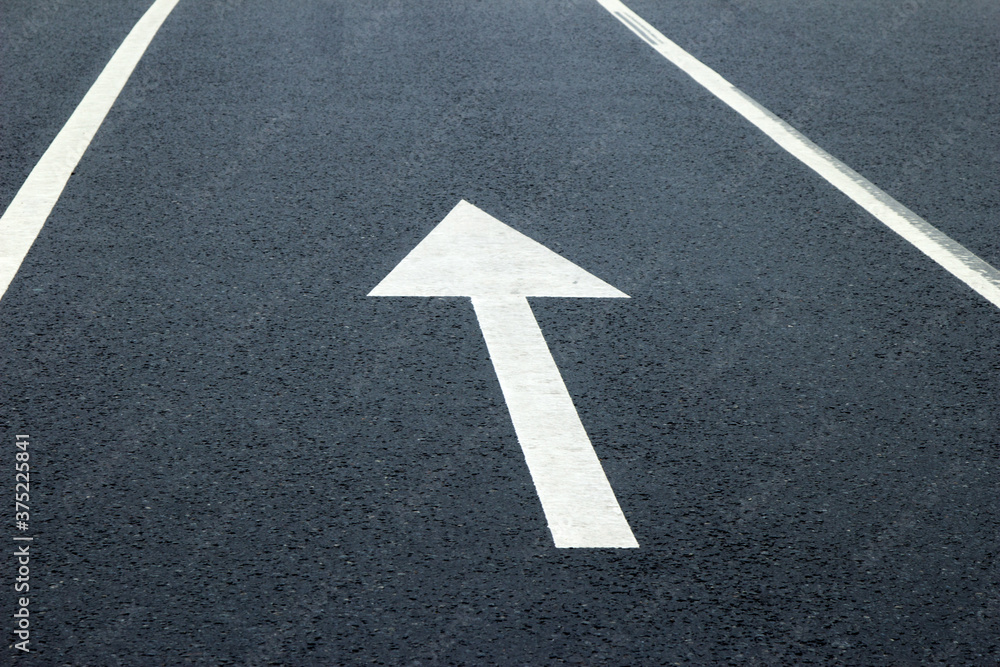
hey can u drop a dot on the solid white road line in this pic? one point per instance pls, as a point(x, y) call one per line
point(950, 254)
point(579, 504)
point(32, 204)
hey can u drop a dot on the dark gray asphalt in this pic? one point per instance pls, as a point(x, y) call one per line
point(238, 458)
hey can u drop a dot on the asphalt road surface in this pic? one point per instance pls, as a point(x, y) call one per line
point(239, 457)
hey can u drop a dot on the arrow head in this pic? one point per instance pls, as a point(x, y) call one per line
point(471, 253)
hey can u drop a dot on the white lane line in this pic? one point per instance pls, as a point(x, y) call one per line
point(579, 504)
point(32, 204)
point(947, 252)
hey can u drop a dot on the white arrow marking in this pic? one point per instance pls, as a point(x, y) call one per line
point(470, 253)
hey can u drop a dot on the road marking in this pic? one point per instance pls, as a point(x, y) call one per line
point(947, 252)
point(28, 211)
point(472, 254)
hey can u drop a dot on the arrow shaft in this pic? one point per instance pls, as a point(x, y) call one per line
point(579, 504)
